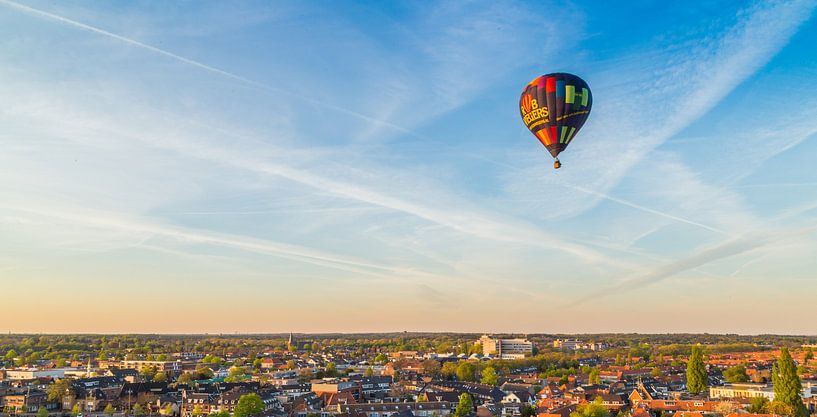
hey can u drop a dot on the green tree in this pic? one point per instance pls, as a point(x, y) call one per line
point(168, 410)
point(489, 376)
point(197, 411)
point(594, 377)
point(369, 372)
point(780, 408)
point(204, 373)
point(248, 405)
point(591, 409)
point(148, 372)
point(696, 372)
point(42, 412)
point(758, 405)
point(431, 367)
point(736, 373)
point(220, 414)
point(381, 358)
point(109, 410)
point(809, 355)
point(448, 370)
point(466, 371)
point(331, 370)
point(138, 410)
point(787, 386)
point(465, 406)
point(655, 372)
point(235, 374)
point(10, 355)
point(56, 391)
point(528, 411)
point(75, 410)
point(185, 378)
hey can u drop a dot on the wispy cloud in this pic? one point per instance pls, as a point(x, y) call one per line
point(679, 88)
point(205, 67)
point(730, 248)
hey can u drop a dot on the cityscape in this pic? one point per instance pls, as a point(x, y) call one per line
point(408, 208)
point(408, 375)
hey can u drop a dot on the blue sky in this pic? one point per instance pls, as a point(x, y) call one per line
point(307, 166)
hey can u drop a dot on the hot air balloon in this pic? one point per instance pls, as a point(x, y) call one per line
point(554, 107)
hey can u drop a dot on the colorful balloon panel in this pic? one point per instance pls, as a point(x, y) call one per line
point(554, 107)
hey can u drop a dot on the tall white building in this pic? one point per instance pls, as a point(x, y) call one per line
point(505, 348)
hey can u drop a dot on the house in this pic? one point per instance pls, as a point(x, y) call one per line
point(28, 401)
point(420, 409)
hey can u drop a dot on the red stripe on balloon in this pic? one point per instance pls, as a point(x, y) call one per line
point(551, 85)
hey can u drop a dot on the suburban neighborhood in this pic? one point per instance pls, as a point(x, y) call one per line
point(321, 376)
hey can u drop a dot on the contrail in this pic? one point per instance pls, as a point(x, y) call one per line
point(644, 209)
point(733, 247)
point(610, 198)
point(243, 80)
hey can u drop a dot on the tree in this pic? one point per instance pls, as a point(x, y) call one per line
point(148, 372)
point(369, 372)
point(235, 374)
point(10, 355)
point(594, 377)
point(489, 376)
point(787, 386)
point(160, 376)
point(449, 369)
point(248, 405)
point(528, 411)
point(780, 408)
point(381, 358)
point(56, 391)
point(591, 409)
point(466, 371)
point(42, 412)
point(655, 372)
point(465, 406)
point(696, 372)
point(331, 370)
point(204, 373)
point(168, 410)
point(197, 411)
point(809, 355)
point(759, 405)
point(736, 373)
point(224, 413)
point(185, 378)
point(431, 367)
point(75, 410)
point(138, 410)
point(109, 410)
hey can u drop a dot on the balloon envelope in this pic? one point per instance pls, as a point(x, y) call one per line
point(554, 107)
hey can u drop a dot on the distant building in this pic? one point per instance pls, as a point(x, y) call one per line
point(505, 348)
point(32, 373)
point(419, 409)
point(576, 344)
point(742, 391)
point(165, 366)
